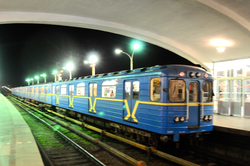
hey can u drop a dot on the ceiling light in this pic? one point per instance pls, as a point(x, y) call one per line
point(221, 49)
point(220, 42)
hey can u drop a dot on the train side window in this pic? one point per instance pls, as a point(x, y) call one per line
point(37, 91)
point(53, 89)
point(155, 91)
point(207, 87)
point(127, 90)
point(42, 89)
point(57, 90)
point(80, 88)
point(176, 91)
point(109, 89)
point(48, 91)
point(71, 89)
point(63, 89)
point(92, 90)
point(95, 90)
point(136, 89)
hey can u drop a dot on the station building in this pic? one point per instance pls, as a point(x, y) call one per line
point(232, 87)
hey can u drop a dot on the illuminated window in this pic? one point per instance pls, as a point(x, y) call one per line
point(155, 91)
point(42, 90)
point(92, 90)
point(48, 89)
point(71, 89)
point(193, 92)
point(136, 88)
point(109, 89)
point(80, 88)
point(63, 89)
point(57, 90)
point(176, 91)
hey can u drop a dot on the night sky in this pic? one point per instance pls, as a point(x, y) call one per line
point(27, 50)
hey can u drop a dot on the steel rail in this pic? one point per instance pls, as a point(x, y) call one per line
point(83, 151)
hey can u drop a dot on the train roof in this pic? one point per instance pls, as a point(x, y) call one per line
point(175, 68)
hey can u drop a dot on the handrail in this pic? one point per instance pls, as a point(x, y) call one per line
point(202, 105)
point(187, 104)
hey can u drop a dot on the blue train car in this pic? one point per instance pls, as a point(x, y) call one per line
point(156, 102)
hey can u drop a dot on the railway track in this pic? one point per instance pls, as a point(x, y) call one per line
point(57, 148)
point(139, 155)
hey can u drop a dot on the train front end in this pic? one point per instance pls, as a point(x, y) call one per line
point(189, 100)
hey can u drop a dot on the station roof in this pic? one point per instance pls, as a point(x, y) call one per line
point(184, 27)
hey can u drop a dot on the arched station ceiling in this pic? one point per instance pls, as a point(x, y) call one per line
point(181, 26)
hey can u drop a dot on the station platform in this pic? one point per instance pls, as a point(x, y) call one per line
point(232, 124)
point(17, 144)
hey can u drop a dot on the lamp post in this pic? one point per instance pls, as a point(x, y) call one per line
point(69, 67)
point(92, 61)
point(32, 81)
point(135, 47)
point(37, 77)
point(44, 75)
point(55, 72)
point(28, 80)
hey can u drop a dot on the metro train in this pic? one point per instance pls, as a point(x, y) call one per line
point(152, 104)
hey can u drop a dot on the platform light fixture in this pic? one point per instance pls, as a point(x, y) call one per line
point(55, 73)
point(32, 81)
point(92, 61)
point(28, 80)
point(44, 76)
point(37, 77)
point(136, 46)
point(69, 67)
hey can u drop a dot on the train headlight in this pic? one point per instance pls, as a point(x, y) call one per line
point(210, 117)
point(176, 119)
point(191, 74)
point(198, 75)
point(206, 75)
point(205, 118)
point(182, 119)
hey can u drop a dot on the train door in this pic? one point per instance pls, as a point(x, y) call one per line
point(131, 95)
point(71, 94)
point(193, 104)
point(92, 96)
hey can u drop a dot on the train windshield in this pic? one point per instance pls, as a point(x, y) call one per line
point(176, 91)
point(207, 87)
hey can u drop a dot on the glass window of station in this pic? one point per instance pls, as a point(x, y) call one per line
point(232, 87)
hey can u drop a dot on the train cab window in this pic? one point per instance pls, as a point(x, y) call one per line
point(109, 89)
point(136, 89)
point(193, 92)
point(176, 91)
point(207, 87)
point(80, 88)
point(63, 89)
point(71, 89)
point(57, 90)
point(155, 91)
